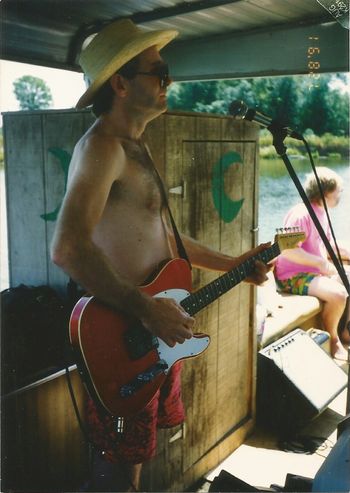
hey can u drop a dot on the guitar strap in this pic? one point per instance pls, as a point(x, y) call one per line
point(179, 244)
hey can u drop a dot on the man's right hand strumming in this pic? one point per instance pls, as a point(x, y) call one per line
point(166, 319)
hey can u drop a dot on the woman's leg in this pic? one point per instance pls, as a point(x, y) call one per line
point(334, 296)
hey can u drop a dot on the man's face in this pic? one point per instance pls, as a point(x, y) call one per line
point(147, 92)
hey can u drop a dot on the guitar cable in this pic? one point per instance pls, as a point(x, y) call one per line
point(74, 292)
point(82, 427)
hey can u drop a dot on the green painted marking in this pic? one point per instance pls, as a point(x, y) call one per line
point(64, 158)
point(226, 207)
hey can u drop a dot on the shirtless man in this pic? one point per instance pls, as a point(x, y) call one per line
point(112, 231)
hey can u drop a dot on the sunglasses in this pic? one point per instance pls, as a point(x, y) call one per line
point(161, 72)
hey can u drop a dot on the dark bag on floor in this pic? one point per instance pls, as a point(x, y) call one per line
point(34, 330)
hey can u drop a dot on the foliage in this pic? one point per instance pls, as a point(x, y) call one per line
point(327, 145)
point(32, 93)
point(190, 96)
point(298, 101)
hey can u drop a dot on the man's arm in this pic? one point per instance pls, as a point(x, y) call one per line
point(92, 174)
point(204, 257)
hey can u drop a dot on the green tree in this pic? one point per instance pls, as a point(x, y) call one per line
point(264, 89)
point(316, 110)
point(32, 93)
point(226, 92)
point(188, 95)
point(209, 96)
point(338, 102)
point(291, 100)
point(285, 104)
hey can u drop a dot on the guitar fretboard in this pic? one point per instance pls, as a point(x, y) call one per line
point(209, 293)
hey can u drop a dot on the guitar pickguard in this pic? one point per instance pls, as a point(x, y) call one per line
point(188, 349)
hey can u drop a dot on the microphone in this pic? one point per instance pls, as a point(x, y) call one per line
point(240, 111)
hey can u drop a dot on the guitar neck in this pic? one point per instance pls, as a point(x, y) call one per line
point(209, 293)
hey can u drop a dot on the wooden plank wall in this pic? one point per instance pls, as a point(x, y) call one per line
point(43, 448)
point(219, 386)
point(37, 148)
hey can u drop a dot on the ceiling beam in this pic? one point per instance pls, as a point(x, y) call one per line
point(141, 18)
point(280, 51)
point(179, 9)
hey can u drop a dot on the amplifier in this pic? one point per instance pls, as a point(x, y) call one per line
point(296, 380)
point(227, 482)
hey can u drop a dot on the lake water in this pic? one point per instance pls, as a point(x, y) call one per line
point(277, 193)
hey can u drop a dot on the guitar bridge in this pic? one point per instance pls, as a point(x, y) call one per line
point(141, 379)
point(139, 341)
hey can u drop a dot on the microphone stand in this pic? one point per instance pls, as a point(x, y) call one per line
point(279, 133)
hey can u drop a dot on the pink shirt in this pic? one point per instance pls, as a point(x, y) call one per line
point(299, 216)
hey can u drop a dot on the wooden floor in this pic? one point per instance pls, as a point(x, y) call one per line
point(261, 463)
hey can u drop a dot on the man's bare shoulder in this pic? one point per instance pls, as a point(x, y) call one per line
point(100, 146)
point(98, 152)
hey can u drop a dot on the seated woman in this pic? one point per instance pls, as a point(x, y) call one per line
point(306, 269)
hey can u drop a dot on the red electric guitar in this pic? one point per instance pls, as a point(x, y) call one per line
point(120, 361)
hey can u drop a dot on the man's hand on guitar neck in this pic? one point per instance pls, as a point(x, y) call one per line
point(259, 275)
point(166, 319)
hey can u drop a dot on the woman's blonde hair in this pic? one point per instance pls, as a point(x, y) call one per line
point(329, 180)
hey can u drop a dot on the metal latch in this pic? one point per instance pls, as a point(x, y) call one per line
point(179, 190)
point(181, 433)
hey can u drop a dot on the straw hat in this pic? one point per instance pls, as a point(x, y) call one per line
point(111, 48)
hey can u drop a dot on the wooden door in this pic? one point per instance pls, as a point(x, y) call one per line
point(213, 162)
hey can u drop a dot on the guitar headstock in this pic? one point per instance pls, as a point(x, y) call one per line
point(288, 237)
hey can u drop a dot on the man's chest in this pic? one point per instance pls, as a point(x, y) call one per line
point(138, 188)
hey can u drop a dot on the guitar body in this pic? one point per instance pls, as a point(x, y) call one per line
point(121, 363)
point(118, 374)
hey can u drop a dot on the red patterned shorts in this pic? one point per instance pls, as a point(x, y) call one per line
point(138, 441)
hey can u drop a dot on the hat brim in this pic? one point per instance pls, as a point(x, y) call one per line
point(132, 49)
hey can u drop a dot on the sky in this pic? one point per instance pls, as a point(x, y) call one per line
point(66, 86)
